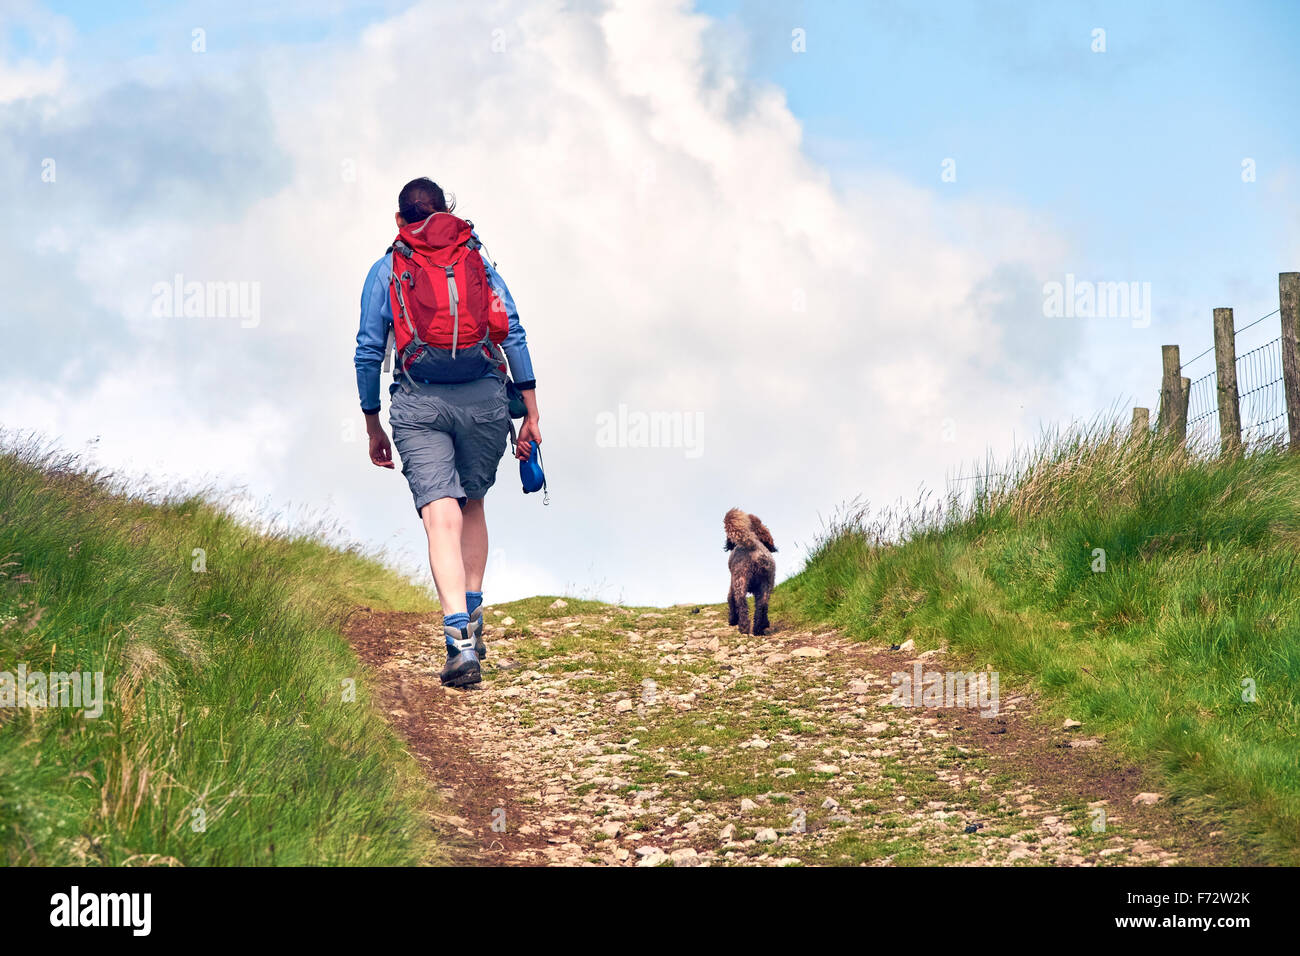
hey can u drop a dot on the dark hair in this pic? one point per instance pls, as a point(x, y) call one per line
point(421, 198)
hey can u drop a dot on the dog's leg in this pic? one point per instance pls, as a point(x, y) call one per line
point(732, 614)
point(741, 600)
point(760, 611)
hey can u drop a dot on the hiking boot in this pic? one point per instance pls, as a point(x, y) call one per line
point(461, 668)
point(476, 628)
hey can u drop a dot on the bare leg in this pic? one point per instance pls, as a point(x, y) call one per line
point(474, 543)
point(443, 524)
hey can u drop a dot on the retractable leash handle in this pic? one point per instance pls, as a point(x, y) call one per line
point(531, 475)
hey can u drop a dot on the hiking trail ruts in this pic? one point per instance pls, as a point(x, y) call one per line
point(619, 736)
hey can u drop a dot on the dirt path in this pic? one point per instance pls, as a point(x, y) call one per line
point(615, 736)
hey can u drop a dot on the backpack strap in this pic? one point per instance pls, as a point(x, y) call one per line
point(396, 281)
point(453, 303)
point(476, 243)
point(391, 344)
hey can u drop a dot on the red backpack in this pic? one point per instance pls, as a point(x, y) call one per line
point(447, 318)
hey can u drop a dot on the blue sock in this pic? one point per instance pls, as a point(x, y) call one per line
point(473, 600)
point(458, 620)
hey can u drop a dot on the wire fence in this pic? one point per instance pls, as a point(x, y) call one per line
point(1259, 388)
point(1261, 394)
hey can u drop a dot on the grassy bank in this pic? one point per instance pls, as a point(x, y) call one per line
point(226, 736)
point(1196, 603)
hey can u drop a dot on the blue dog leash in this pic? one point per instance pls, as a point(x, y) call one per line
point(531, 475)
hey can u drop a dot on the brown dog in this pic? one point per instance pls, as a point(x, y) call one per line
point(752, 569)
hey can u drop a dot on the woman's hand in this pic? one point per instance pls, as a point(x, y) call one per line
point(528, 433)
point(381, 451)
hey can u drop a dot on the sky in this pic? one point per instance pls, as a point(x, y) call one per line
point(810, 243)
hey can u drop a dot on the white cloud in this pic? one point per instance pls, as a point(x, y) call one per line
point(39, 69)
point(26, 80)
point(137, 421)
point(658, 225)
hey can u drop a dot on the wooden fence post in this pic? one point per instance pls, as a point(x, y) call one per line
point(1225, 361)
point(1141, 423)
point(1288, 289)
point(1169, 388)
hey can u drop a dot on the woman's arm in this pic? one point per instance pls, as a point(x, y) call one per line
point(515, 348)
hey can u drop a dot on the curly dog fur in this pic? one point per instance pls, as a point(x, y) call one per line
point(752, 569)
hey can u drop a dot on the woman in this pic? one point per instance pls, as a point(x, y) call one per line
point(449, 410)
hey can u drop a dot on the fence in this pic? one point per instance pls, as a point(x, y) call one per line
point(1245, 400)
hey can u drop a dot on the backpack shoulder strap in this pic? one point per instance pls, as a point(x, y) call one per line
point(391, 344)
point(395, 282)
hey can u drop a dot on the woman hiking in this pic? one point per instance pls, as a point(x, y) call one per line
point(438, 302)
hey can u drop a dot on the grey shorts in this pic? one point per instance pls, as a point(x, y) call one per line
point(450, 438)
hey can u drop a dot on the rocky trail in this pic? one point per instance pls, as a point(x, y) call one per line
point(613, 736)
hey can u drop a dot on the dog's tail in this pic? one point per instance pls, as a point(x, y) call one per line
point(740, 532)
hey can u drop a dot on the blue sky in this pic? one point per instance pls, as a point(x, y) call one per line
point(601, 135)
point(142, 27)
point(1136, 151)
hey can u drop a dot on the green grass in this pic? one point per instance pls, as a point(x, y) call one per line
point(1200, 593)
point(225, 737)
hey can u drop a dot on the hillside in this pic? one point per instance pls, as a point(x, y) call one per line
point(225, 735)
point(1151, 595)
point(1137, 605)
